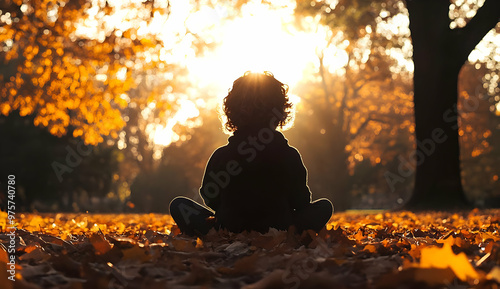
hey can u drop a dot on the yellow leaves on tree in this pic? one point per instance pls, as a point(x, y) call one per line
point(56, 73)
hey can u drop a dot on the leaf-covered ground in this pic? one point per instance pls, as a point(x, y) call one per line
point(356, 250)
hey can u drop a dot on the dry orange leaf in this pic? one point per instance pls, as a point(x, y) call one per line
point(452, 241)
point(100, 244)
point(6, 284)
point(494, 274)
point(136, 253)
point(488, 236)
point(246, 265)
point(431, 276)
point(36, 255)
point(199, 243)
point(401, 256)
point(184, 245)
point(4, 257)
point(359, 236)
point(370, 248)
point(435, 257)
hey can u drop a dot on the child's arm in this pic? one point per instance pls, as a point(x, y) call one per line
point(210, 193)
point(210, 190)
point(300, 193)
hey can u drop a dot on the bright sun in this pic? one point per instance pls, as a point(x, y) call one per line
point(259, 39)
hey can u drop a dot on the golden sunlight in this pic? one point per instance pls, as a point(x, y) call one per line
point(164, 135)
point(260, 39)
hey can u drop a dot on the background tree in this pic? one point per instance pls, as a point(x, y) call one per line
point(360, 122)
point(31, 153)
point(479, 130)
point(74, 69)
point(125, 80)
point(72, 64)
point(355, 104)
point(50, 69)
point(439, 53)
point(351, 16)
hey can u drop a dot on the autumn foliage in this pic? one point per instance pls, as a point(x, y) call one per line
point(70, 78)
point(355, 250)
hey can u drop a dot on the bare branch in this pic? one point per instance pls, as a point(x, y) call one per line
point(360, 128)
point(486, 18)
point(323, 77)
point(374, 118)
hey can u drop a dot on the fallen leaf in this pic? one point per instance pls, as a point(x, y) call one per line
point(237, 248)
point(271, 280)
point(4, 257)
point(270, 239)
point(36, 255)
point(199, 243)
point(198, 275)
point(363, 250)
point(430, 276)
point(370, 248)
point(245, 265)
point(184, 245)
point(435, 257)
point(136, 253)
point(100, 244)
point(494, 274)
point(6, 283)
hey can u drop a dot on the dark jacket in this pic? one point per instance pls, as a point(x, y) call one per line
point(255, 182)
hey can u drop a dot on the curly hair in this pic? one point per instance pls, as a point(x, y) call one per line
point(256, 100)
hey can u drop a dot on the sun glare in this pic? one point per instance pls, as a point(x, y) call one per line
point(164, 135)
point(260, 39)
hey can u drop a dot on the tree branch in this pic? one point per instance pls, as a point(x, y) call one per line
point(360, 128)
point(323, 78)
point(468, 37)
point(375, 118)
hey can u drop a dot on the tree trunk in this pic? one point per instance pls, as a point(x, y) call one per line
point(438, 55)
point(334, 161)
point(339, 179)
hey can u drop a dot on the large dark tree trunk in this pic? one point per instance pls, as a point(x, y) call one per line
point(438, 55)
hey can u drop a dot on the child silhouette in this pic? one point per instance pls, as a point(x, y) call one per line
point(257, 181)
